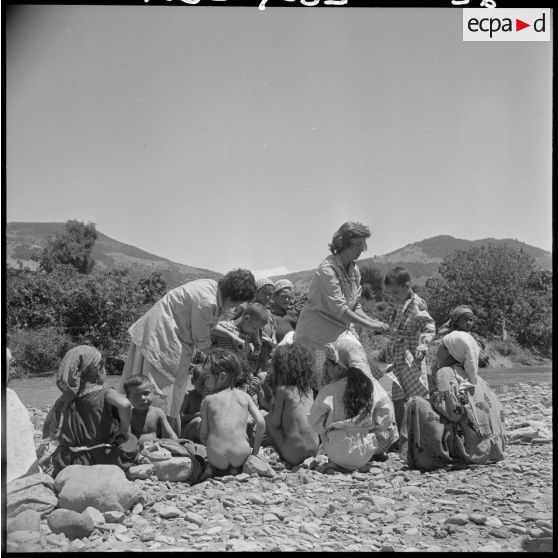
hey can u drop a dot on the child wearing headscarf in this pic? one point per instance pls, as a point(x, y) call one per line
point(90, 417)
point(353, 415)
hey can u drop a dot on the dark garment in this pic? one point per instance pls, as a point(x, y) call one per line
point(88, 421)
point(284, 320)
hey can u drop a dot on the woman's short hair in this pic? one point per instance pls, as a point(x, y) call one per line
point(346, 232)
point(238, 285)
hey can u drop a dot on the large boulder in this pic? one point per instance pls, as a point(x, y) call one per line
point(34, 492)
point(174, 469)
point(28, 520)
point(103, 487)
point(73, 524)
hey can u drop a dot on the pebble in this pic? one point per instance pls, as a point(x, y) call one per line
point(169, 512)
point(458, 519)
point(114, 516)
point(194, 518)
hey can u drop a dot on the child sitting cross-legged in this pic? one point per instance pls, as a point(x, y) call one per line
point(148, 422)
point(224, 416)
point(287, 422)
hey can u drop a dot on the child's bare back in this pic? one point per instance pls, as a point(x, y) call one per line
point(224, 419)
point(288, 428)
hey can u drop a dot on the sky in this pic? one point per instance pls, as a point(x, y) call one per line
point(225, 137)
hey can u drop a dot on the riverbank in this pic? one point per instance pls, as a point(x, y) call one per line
point(503, 507)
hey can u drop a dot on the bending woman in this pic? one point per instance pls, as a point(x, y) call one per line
point(463, 423)
point(333, 297)
point(164, 339)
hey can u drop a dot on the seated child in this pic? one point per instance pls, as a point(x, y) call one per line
point(287, 422)
point(224, 416)
point(90, 418)
point(353, 415)
point(190, 416)
point(242, 335)
point(148, 422)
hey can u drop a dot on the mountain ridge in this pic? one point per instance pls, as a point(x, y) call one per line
point(421, 258)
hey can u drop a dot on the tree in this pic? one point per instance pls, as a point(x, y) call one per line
point(152, 288)
point(372, 281)
point(492, 280)
point(72, 247)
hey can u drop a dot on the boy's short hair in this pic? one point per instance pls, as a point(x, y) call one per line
point(256, 310)
point(344, 235)
point(134, 382)
point(398, 275)
point(238, 285)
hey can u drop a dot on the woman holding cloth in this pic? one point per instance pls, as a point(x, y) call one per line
point(333, 297)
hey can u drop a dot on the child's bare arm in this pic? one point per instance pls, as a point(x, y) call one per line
point(166, 428)
point(276, 411)
point(204, 426)
point(260, 425)
point(124, 409)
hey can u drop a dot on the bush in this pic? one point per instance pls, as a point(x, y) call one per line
point(38, 352)
point(510, 349)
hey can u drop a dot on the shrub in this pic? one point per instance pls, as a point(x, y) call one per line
point(38, 352)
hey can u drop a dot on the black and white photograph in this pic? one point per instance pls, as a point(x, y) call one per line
point(277, 277)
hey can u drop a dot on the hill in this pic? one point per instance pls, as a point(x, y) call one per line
point(422, 258)
point(25, 239)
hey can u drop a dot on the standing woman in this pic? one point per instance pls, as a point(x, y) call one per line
point(164, 339)
point(333, 298)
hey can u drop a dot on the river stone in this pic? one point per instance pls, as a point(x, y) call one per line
point(20, 537)
point(141, 472)
point(114, 516)
point(73, 524)
point(28, 520)
point(104, 487)
point(458, 519)
point(254, 464)
point(95, 515)
point(174, 469)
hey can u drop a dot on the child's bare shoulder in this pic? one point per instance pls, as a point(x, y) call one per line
point(155, 412)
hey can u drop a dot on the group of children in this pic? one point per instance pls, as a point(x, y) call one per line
point(248, 391)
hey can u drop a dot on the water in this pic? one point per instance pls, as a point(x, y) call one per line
point(41, 392)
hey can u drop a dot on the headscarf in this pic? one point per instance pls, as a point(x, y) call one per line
point(76, 366)
point(264, 282)
point(347, 352)
point(283, 284)
point(455, 314)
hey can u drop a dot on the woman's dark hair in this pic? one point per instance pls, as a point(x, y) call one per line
point(292, 367)
point(346, 232)
point(238, 285)
point(358, 394)
point(226, 361)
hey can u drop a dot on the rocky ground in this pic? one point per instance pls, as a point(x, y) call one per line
point(501, 507)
